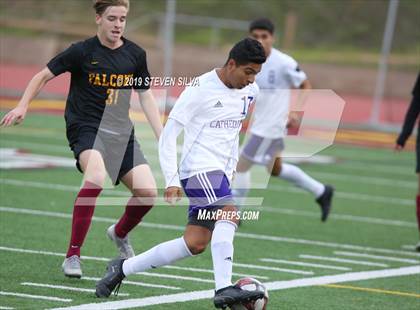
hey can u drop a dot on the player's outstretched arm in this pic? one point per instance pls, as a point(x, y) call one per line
point(17, 115)
point(168, 160)
point(151, 110)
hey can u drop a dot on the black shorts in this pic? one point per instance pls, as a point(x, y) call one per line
point(209, 224)
point(120, 153)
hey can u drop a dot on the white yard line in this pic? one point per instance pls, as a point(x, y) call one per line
point(238, 234)
point(336, 216)
point(276, 187)
point(289, 262)
point(177, 277)
point(378, 257)
point(67, 288)
point(34, 296)
point(136, 283)
point(212, 272)
point(273, 286)
point(6, 308)
point(273, 269)
point(341, 260)
point(103, 259)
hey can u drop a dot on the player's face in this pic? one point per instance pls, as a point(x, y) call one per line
point(242, 75)
point(111, 23)
point(264, 37)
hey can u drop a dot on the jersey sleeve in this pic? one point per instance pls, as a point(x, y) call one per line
point(294, 74)
point(186, 106)
point(67, 61)
point(142, 73)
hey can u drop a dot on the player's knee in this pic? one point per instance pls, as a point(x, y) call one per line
point(275, 170)
point(197, 247)
point(98, 177)
point(146, 196)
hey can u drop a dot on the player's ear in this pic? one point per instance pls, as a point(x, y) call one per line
point(231, 64)
point(98, 19)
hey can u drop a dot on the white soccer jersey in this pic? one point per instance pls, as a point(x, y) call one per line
point(212, 115)
point(278, 75)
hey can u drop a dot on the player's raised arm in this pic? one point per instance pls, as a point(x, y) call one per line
point(17, 115)
point(151, 110)
point(168, 160)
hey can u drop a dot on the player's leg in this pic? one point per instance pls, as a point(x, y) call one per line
point(222, 255)
point(93, 167)
point(418, 211)
point(291, 173)
point(250, 154)
point(242, 181)
point(141, 183)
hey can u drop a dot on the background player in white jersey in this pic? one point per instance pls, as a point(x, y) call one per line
point(278, 75)
point(211, 116)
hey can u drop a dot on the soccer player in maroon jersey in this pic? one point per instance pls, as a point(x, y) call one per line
point(104, 69)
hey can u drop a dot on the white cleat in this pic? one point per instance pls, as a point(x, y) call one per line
point(71, 267)
point(123, 244)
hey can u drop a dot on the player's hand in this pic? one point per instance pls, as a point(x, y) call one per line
point(14, 117)
point(172, 194)
point(293, 120)
point(398, 147)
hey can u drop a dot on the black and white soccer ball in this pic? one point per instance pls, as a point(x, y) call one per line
point(251, 284)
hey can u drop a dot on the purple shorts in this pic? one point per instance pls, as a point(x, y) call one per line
point(207, 190)
point(261, 150)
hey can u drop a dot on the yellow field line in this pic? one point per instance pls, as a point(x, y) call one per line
point(373, 290)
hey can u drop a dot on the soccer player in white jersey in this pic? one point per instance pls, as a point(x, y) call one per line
point(278, 75)
point(211, 116)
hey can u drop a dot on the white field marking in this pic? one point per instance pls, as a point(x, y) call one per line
point(212, 272)
point(67, 288)
point(341, 260)
point(411, 247)
point(289, 262)
point(345, 195)
point(238, 234)
point(288, 189)
point(364, 180)
point(273, 269)
point(271, 286)
point(87, 258)
point(345, 217)
point(174, 288)
point(378, 257)
point(392, 169)
point(6, 308)
point(71, 188)
point(171, 276)
point(35, 296)
point(60, 187)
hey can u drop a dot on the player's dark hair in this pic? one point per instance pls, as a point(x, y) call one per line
point(247, 51)
point(101, 5)
point(262, 23)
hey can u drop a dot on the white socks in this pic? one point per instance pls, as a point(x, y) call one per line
point(165, 253)
point(222, 253)
point(242, 183)
point(295, 175)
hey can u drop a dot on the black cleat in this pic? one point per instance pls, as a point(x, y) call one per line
point(230, 295)
point(418, 247)
point(324, 202)
point(111, 280)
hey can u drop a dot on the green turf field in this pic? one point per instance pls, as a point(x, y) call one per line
point(365, 247)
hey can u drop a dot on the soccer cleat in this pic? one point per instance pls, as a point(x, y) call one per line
point(230, 295)
point(418, 247)
point(71, 267)
point(111, 280)
point(123, 244)
point(324, 202)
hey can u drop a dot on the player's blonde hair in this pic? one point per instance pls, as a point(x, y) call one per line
point(101, 5)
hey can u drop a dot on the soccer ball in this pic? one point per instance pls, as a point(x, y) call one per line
point(251, 284)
